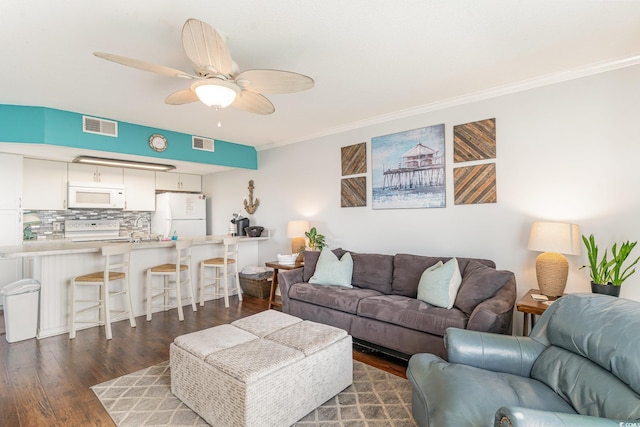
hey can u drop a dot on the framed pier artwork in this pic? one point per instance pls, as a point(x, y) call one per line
point(408, 169)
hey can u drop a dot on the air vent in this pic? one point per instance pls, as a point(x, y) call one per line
point(99, 126)
point(204, 144)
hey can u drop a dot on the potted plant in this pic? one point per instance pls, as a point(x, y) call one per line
point(316, 240)
point(608, 275)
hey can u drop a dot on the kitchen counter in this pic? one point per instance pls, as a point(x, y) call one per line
point(54, 262)
point(63, 246)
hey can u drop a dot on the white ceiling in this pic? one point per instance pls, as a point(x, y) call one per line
point(369, 58)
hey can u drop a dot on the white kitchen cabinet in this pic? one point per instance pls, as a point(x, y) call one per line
point(10, 214)
point(191, 182)
point(10, 271)
point(11, 179)
point(44, 185)
point(90, 173)
point(11, 226)
point(140, 190)
point(168, 181)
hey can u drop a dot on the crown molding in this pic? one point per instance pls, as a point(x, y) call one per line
point(494, 92)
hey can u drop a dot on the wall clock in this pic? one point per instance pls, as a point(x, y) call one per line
point(158, 142)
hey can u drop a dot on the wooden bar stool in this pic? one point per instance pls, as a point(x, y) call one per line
point(222, 265)
point(116, 268)
point(172, 274)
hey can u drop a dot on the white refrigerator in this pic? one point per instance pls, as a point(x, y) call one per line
point(181, 213)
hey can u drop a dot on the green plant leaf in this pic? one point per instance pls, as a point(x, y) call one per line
point(605, 271)
point(316, 240)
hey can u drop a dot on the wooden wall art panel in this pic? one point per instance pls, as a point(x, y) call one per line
point(474, 141)
point(475, 184)
point(354, 159)
point(353, 192)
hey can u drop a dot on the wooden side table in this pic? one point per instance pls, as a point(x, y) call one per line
point(274, 281)
point(531, 308)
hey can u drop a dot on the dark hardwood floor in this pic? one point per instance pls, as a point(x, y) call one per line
point(46, 382)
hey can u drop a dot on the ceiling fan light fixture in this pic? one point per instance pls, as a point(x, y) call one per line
point(218, 93)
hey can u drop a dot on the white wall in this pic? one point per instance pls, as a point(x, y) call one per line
point(565, 152)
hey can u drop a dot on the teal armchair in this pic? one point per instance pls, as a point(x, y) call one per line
point(579, 367)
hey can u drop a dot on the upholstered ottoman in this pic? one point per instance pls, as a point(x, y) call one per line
point(269, 369)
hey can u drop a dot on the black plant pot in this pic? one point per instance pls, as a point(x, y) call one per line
point(614, 291)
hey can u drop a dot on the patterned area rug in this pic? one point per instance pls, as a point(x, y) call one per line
point(375, 399)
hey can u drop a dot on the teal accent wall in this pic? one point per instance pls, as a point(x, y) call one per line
point(18, 124)
point(41, 125)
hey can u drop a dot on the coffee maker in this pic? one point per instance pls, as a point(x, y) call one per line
point(242, 223)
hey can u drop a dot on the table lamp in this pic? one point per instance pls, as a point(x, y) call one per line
point(29, 219)
point(553, 239)
point(295, 231)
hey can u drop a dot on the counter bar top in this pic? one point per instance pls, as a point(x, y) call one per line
point(58, 247)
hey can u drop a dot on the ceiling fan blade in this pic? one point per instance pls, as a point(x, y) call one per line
point(205, 47)
point(180, 97)
point(273, 81)
point(253, 103)
point(145, 66)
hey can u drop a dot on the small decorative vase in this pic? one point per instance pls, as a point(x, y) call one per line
point(607, 289)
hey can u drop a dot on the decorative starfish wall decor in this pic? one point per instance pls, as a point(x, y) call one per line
point(251, 205)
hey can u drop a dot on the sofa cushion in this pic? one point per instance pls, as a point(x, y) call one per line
point(411, 313)
point(311, 259)
point(479, 283)
point(372, 271)
point(407, 270)
point(334, 297)
point(439, 284)
point(331, 270)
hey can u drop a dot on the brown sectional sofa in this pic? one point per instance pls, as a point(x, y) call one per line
point(382, 308)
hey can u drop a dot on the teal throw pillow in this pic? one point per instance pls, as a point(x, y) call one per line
point(439, 284)
point(333, 271)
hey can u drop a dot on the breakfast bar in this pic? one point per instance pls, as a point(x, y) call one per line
point(54, 262)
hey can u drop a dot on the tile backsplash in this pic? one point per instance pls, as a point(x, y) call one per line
point(52, 226)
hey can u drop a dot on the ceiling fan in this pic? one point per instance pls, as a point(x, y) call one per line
point(217, 81)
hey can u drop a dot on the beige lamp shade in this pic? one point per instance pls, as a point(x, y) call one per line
point(552, 268)
point(295, 231)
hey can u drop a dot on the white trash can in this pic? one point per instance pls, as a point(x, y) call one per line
point(20, 300)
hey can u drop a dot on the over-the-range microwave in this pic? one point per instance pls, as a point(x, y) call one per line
point(96, 195)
